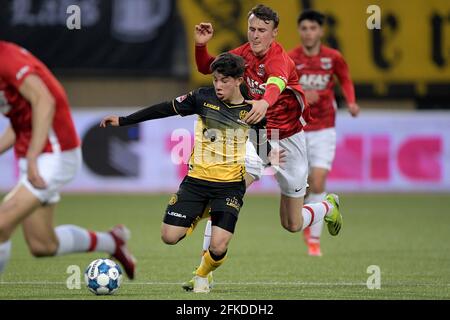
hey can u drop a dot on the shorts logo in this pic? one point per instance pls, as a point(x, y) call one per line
point(176, 214)
point(173, 200)
point(234, 203)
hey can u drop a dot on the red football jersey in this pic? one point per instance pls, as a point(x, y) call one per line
point(16, 64)
point(316, 73)
point(289, 112)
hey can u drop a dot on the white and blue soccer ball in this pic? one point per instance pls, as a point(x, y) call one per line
point(103, 276)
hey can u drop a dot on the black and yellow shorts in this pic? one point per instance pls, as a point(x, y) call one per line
point(194, 195)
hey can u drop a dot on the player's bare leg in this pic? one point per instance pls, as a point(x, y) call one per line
point(15, 207)
point(45, 240)
point(294, 219)
point(172, 234)
point(316, 180)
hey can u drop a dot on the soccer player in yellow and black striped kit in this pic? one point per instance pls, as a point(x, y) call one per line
point(215, 178)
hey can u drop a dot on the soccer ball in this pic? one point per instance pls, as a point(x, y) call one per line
point(103, 276)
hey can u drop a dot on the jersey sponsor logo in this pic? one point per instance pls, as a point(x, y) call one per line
point(211, 106)
point(326, 63)
point(255, 87)
point(4, 106)
point(180, 99)
point(176, 214)
point(315, 81)
point(22, 72)
point(261, 70)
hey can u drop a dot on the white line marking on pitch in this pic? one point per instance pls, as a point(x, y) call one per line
point(327, 284)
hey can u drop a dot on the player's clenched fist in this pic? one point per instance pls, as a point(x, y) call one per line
point(203, 33)
point(112, 121)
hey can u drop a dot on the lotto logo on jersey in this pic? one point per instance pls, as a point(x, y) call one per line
point(314, 81)
point(180, 99)
point(22, 72)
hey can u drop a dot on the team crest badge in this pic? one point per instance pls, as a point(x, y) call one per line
point(326, 63)
point(261, 70)
point(173, 200)
point(242, 114)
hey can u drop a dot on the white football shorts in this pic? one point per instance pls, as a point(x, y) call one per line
point(321, 146)
point(292, 177)
point(57, 169)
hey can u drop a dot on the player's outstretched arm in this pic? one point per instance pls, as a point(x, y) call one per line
point(7, 139)
point(203, 32)
point(43, 110)
point(157, 111)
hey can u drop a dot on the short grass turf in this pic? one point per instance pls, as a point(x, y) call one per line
point(406, 235)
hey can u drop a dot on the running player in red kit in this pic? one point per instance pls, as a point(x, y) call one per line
point(273, 83)
point(48, 148)
point(316, 66)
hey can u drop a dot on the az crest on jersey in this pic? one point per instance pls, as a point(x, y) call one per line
point(261, 70)
point(326, 63)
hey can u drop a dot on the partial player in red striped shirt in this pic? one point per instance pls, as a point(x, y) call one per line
point(273, 83)
point(317, 65)
point(43, 135)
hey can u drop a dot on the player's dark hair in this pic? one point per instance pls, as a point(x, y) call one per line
point(266, 14)
point(312, 15)
point(229, 65)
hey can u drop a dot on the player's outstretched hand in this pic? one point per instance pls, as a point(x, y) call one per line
point(353, 108)
point(277, 157)
point(259, 109)
point(203, 32)
point(112, 121)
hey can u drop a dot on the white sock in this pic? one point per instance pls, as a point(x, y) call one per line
point(75, 239)
point(207, 236)
point(5, 254)
point(315, 229)
point(314, 212)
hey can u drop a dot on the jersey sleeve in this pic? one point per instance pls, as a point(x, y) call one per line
point(186, 105)
point(343, 74)
point(277, 69)
point(18, 67)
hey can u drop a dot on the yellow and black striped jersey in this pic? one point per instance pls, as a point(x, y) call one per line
point(220, 136)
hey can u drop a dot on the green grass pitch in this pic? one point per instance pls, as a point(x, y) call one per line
point(406, 235)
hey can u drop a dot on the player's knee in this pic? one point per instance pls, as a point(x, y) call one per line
point(291, 226)
point(43, 249)
point(170, 238)
point(219, 249)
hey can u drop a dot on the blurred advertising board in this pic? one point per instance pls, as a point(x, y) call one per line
point(378, 152)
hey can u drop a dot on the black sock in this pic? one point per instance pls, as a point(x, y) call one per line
point(217, 258)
